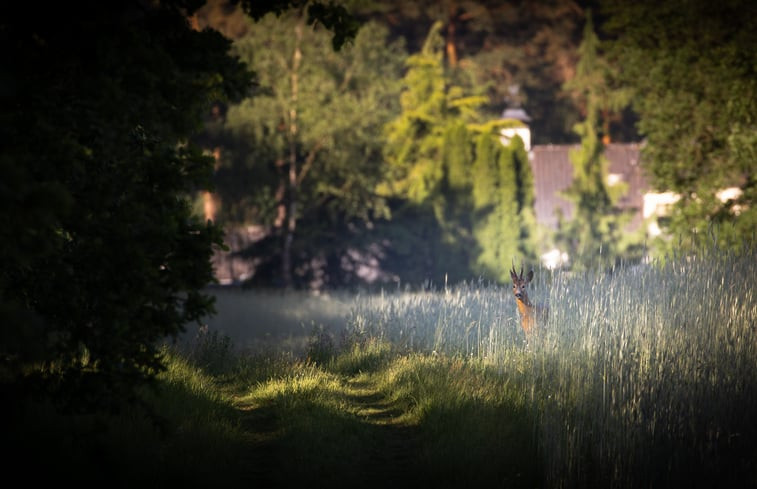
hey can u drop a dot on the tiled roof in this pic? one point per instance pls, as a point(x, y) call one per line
point(553, 173)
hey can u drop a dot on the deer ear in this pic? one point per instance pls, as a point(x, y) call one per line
point(513, 275)
point(530, 276)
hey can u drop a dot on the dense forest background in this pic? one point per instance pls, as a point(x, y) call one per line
point(379, 162)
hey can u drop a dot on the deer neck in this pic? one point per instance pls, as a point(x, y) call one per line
point(524, 305)
point(523, 299)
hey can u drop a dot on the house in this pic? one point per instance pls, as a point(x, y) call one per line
point(553, 173)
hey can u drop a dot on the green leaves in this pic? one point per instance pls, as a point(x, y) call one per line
point(692, 71)
point(593, 236)
point(334, 17)
point(444, 157)
point(308, 144)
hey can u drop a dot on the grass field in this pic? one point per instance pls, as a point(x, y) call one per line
point(645, 377)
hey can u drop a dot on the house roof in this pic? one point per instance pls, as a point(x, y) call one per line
point(516, 113)
point(553, 173)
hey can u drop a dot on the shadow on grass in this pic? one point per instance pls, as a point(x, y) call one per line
point(196, 443)
point(333, 448)
point(469, 445)
point(478, 444)
point(351, 433)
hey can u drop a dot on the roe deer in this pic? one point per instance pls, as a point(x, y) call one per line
point(530, 315)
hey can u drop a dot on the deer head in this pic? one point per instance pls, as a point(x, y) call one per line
point(520, 283)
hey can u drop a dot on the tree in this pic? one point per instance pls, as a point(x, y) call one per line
point(442, 159)
point(692, 72)
point(492, 45)
point(307, 144)
point(496, 221)
point(525, 198)
point(334, 17)
point(104, 257)
point(593, 237)
point(427, 151)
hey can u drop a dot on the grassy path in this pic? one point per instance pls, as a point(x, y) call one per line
point(354, 436)
point(367, 420)
point(262, 433)
point(396, 440)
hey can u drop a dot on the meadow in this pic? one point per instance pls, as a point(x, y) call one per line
point(642, 377)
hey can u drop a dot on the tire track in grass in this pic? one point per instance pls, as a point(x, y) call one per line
point(261, 433)
point(390, 444)
point(396, 447)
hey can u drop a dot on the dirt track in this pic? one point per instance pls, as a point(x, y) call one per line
point(387, 457)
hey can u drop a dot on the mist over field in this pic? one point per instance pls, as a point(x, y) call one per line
point(275, 321)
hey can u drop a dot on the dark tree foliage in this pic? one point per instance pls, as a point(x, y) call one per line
point(102, 255)
point(494, 45)
point(596, 235)
point(333, 17)
point(692, 70)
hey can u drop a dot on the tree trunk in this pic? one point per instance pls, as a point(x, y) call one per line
point(450, 38)
point(291, 210)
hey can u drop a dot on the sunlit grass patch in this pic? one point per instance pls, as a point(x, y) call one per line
point(322, 434)
point(305, 382)
point(474, 425)
point(444, 419)
point(652, 374)
point(643, 376)
point(365, 356)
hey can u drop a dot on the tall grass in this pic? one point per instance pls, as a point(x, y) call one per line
point(472, 319)
point(646, 376)
point(643, 377)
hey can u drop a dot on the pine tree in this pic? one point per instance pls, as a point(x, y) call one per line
point(524, 180)
point(452, 203)
point(497, 225)
point(415, 139)
point(479, 192)
point(428, 154)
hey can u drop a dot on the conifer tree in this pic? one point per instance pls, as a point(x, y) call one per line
point(479, 192)
point(524, 181)
point(416, 138)
point(452, 203)
point(496, 222)
point(428, 154)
